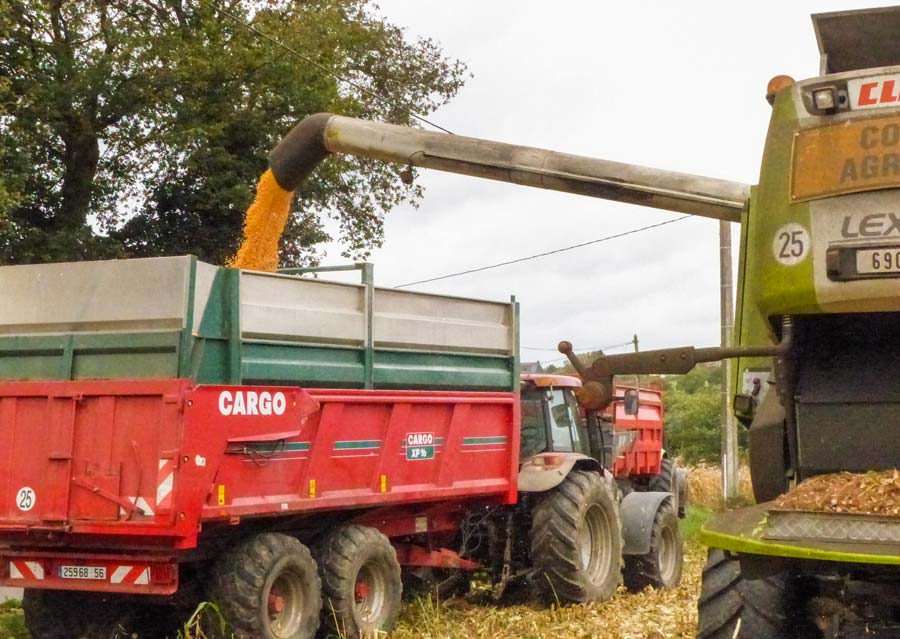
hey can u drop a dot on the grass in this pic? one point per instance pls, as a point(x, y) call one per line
point(694, 518)
point(12, 623)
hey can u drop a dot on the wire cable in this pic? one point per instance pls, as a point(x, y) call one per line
point(325, 69)
point(553, 252)
point(584, 352)
point(588, 349)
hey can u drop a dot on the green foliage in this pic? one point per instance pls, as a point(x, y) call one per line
point(692, 410)
point(694, 519)
point(140, 128)
point(12, 622)
point(693, 414)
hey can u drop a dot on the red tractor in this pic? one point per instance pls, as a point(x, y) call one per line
point(595, 488)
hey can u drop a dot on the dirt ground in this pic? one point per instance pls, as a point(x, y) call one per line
point(662, 614)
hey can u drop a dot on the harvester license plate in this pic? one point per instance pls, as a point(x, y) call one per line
point(882, 260)
point(83, 572)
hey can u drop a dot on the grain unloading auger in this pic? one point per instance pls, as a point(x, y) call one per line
point(320, 135)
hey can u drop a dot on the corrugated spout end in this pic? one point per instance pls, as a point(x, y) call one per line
point(300, 151)
point(296, 156)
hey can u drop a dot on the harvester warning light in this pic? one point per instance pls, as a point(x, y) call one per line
point(419, 446)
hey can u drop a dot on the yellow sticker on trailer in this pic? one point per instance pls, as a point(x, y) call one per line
point(849, 157)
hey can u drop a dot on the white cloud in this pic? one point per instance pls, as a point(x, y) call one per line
point(679, 86)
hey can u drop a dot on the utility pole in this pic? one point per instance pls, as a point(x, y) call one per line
point(729, 425)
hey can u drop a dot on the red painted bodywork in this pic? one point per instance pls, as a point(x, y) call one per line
point(644, 455)
point(143, 466)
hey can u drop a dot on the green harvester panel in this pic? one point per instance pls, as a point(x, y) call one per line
point(179, 317)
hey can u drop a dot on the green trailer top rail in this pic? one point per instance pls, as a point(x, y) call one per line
point(179, 317)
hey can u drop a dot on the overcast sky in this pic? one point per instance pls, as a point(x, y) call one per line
point(675, 85)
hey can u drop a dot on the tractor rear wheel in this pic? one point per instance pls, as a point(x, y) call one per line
point(361, 581)
point(663, 565)
point(576, 540)
point(269, 588)
point(731, 607)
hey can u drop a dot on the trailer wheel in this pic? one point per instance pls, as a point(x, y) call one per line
point(269, 588)
point(576, 541)
point(664, 482)
point(682, 484)
point(361, 581)
point(731, 607)
point(662, 566)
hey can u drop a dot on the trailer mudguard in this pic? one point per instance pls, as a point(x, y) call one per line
point(638, 513)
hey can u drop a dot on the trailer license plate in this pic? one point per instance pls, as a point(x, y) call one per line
point(97, 573)
point(882, 260)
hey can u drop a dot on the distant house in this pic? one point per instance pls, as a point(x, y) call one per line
point(532, 367)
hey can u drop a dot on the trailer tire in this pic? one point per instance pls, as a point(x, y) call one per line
point(683, 486)
point(576, 540)
point(361, 581)
point(269, 588)
point(664, 482)
point(663, 565)
point(731, 607)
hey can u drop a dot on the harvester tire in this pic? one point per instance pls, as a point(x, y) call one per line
point(361, 582)
point(731, 607)
point(576, 541)
point(663, 565)
point(268, 588)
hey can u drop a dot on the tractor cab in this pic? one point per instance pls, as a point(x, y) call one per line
point(551, 418)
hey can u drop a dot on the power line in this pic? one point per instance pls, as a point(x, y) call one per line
point(553, 252)
point(325, 69)
point(584, 350)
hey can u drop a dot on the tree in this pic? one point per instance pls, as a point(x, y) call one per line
point(141, 126)
point(693, 415)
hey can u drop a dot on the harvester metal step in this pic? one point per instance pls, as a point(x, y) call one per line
point(795, 526)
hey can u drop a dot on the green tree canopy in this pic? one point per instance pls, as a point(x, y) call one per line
point(139, 127)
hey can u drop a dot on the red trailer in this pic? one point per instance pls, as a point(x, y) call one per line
point(261, 440)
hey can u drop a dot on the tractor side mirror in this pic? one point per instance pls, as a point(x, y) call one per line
point(744, 407)
point(632, 401)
